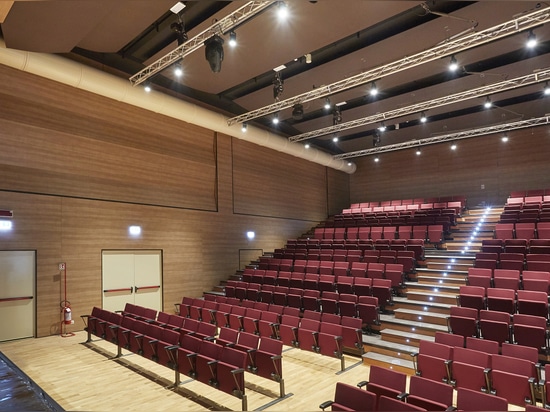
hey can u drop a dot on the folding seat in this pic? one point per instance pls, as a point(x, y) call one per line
point(187, 353)
point(529, 330)
point(420, 232)
point(288, 329)
point(159, 347)
point(270, 277)
point(526, 353)
point(350, 398)
point(394, 272)
point(391, 404)
point(310, 300)
point(514, 261)
point(483, 345)
point(318, 232)
point(363, 232)
point(501, 300)
point(307, 334)
point(536, 280)
point(376, 270)
point(248, 303)
point(329, 341)
point(417, 246)
point(352, 335)
point(240, 290)
point(326, 267)
point(279, 295)
point(359, 269)
point(329, 302)
point(371, 256)
point(266, 294)
point(384, 382)
point(540, 246)
point(389, 232)
point(506, 278)
point(486, 260)
point(504, 231)
point(258, 276)
point(247, 343)
point(122, 331)
point(229, 373)
point(473, 400)
point(404, 232)
point(247, 275)
point(533, 303)
point(354, 255)
point(294, 297)
point(326, 282)
point(533, 197)
point(205, 360)
point(376, 232)
point(205, 330)
point(398, 245)
point(482, 277)
point(253, 292)
point(406, 258)
point(525, 230)
point(543, 230)
point(467, 369)
point(435, 234)
point(340, 255)
point(387, 256)
point(251, 319)
point(227, 336)
point(297, 280)
point(342, 269)
point(428, 394)
point(449, 339)
point(339, 233)
point(311, 281)
point(236, 317)
point(512, 379)
point(109, 325)
point(362, 286)
point(495, 326)
point(538, 262)
point(222, 315)
point(463, 321)
point(472, 297)
point(381, 289)
point(181, 308)
point(492, 246)
point(345, 284)
point(352, 232)
point(368, 311)
point(515, 246)
point(431, 359)
point(285, 265)
point(347, 304)
point(268, 324)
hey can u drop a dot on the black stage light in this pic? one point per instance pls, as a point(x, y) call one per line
point(213, 50)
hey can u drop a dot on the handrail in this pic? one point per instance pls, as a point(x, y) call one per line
point(17, 298)
point(131, 289)
point(147, 287)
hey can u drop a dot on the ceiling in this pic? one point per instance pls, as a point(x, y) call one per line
point(343, 38)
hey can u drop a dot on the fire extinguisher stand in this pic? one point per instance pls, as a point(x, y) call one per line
point(66, 315)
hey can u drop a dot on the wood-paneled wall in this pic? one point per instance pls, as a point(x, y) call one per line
point(484, 169)
point(78, 169)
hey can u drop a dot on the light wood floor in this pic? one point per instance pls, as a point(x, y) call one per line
point(87, 377)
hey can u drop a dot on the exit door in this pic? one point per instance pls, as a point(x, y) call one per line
point(132, 276)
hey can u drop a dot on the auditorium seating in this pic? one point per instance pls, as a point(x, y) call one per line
point(428, 394)
point(384, 382)
point(472, 400)
point(431, 359)
point(350, 398)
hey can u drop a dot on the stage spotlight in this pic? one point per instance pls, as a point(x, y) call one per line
point(488, 104)
point(244, 127)
point(213, 50)
point(327, 104)
point(382, 127)
point(298, 112)
point(178, 71)
point(531, 40)
point(373, 89)
point(278, 86)
point(453, 65)
point(232, 38)
point(423, 118)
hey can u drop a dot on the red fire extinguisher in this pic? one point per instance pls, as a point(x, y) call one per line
point(66, 309)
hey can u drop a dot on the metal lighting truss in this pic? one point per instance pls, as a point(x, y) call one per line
point(539, 76)
point(504, 127)
point(229, 22)
point(447, 48)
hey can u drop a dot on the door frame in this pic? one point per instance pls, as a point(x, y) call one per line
point(160, 251)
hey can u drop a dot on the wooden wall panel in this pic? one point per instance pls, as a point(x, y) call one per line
point(280, 185)
point(63, 141)
point(484, 169)
point(338, 191)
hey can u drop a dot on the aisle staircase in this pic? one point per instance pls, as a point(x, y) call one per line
point(423, 309)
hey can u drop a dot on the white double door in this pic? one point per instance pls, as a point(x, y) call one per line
point(17, 294)
point(132, 276)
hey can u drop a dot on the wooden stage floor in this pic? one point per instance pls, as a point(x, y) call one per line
point(87, 377)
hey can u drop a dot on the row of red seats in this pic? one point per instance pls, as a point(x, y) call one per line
point(432, 232)
point(529, 280)
point(509, 245)
point(522, 230)
point(525, 216)
point(512, 261)
point(324, 261)
point(447, 218)
point(387, 391)
point(364, 307)
point(513, 375)
point(501, 327)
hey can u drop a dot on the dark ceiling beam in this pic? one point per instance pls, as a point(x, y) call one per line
point(357, 41)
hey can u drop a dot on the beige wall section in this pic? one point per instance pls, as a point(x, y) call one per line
point(521, 163)
point(78, 169)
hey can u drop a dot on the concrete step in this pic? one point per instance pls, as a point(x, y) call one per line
point(402, 337)
point(450, 265)
point(435, 280)
point(396, 364)
point(432, 296)
point(375, 344)
point(422, 327)
point(419, 305)
point(431, 288)
point(421, 316)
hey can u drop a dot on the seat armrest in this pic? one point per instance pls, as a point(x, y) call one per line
point(171, 347)
point(362, 383)
point(276, 357)
point(238, 370)
point(210, 338)
point(402, 395)
point(451, 408)
point(325, 404)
